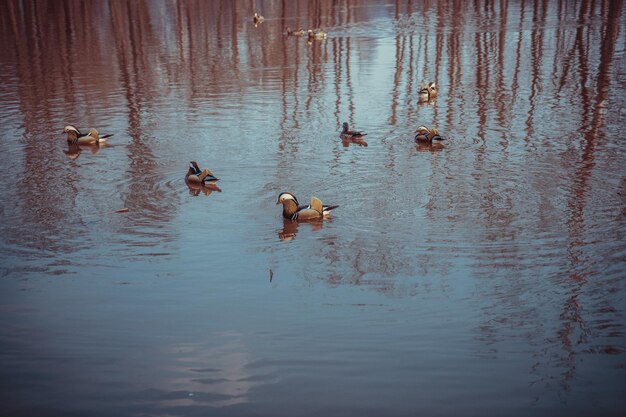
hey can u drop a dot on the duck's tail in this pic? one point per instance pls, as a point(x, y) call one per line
point(206, 175)
point(326, 210)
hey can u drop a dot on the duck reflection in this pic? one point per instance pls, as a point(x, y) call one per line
point(207, 188)
point(73, 151)
point(290, 228)
point(347, 142)
point(429, 146)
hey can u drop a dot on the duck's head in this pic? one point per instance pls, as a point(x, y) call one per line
point(346, 126)
point(70, 128)
point(283, 197)
point(194, 169)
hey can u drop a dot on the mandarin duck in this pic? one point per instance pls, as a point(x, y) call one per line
point(424, 134)
point(293, 211)
point(75, 137)
point(427, 93)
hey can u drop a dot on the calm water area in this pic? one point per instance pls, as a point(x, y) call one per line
point(483, 275)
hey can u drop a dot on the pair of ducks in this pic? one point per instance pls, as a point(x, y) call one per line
point(427, 94)
point(423, 134)
point(316, 210)
point(312, 35)
point(292, 210)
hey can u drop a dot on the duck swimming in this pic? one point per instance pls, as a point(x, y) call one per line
point(427, 93)
point(75, 137)
point(257, 18)
point(348, 134)
point(293, 211)
point(196, 176)
point(316, 36)
point(424, 134)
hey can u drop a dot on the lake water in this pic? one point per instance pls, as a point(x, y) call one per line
point(482, 275)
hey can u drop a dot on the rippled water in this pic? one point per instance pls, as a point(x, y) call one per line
point(483, 275)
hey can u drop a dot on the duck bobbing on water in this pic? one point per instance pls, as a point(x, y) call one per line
point(75, 137)
point(348, 134)
point(426, 135)
point(257, 18)
point(316, 36)
point(427, 93)
point(293, 211)
point(196, 176)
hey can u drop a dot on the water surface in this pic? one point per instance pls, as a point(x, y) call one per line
point(480, 276)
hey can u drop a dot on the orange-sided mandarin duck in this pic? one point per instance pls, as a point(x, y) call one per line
point(293, 211)
point(75, 137)
point(348, 134)
point(315, 36)
point(426, 135)
point(199, 177)
point(427, 93)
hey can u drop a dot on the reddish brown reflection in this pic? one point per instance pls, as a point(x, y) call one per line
point(502, 214)
point(576, 329)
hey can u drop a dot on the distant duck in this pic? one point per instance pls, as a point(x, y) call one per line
point(196, 176)
point(316, 36)
point(424, 134)
point(348, 134)
point(257, 19)
point(299, 32)
point(75, 137)
point(427, 93)
point(293, 211)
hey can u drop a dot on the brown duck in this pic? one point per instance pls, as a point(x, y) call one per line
point(257, 18)
point(424, 134)
point(75, 137)
point(348, 134)
point(293, 211)
point(427, 93)
point(201, 177)
point(316, 36)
